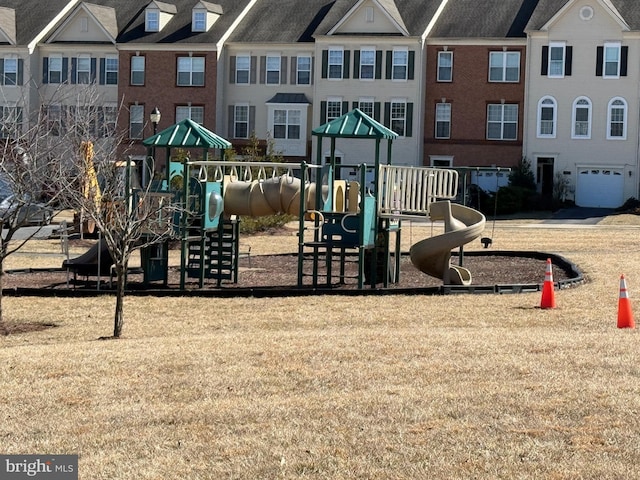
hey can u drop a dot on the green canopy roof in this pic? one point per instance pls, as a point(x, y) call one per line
point(187, 134)
point(355, 124)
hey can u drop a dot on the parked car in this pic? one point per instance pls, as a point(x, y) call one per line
point(29, 212)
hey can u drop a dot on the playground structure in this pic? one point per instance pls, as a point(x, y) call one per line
point(345, 212)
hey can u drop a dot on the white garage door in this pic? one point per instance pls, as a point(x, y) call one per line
point(600, 187)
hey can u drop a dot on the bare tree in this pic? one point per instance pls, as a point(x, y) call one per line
point(27, 179)
point(102, 182)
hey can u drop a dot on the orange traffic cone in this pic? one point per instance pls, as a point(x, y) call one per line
point(625, 315)
point(548, 295)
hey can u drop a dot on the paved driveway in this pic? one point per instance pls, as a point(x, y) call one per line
point(579, 216)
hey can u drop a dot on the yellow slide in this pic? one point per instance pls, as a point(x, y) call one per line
point(433, 255)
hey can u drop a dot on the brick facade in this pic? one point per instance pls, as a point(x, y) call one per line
point(160, 90)
point(469, 93)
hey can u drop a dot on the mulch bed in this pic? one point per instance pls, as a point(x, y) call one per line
point(280, 271)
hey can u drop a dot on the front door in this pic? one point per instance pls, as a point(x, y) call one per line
point(544, 176)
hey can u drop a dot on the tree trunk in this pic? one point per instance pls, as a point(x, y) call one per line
point(120, 290)
point(4, 330)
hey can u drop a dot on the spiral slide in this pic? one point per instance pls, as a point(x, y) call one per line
point(433, 255)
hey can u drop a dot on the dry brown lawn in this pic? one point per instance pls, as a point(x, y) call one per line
point(392, 387)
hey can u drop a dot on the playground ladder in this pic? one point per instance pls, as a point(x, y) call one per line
point(214, 255)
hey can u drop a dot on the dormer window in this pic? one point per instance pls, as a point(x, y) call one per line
point(204, 15)
point(152, 20)
point(199, 21)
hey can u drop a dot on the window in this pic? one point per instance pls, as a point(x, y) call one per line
point(137, 70)
point(192, 113)
point(334, 108)
point(398, 117)
point(10, 74)
point(547, 111)
point(366, 105)
point(108, 120)
point(111, 70)
point(136, 121)
point(611, 60)
point(611, 67)
point(54, 119)
point(55, 69)
point(243, 69)
point(556, 60)
point(335, 63)
point(273, 70)
point(83, 70)
point(445, 66)
point(304, 70)
point(11, 121)
point(502, 122)
point(504, 66)
point(367, 63)
point(443, 120)
point(400, 64)
point(199, 21)
point(190, 71)
point(581, 118)
point(617, 119)
point(152, 20)
point(241, 121)
point(286, 124)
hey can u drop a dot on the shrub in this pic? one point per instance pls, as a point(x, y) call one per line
point(251, 225)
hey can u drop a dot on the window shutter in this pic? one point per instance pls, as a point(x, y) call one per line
point(387, 114)
point(93, 70)
point(412, 64)
point(45, 70)
point(232, 122)
point(599, 58)
point(323, 112)
point(389, 65)
point(313, 66)
point(325, 63)
point(544, 67)
point(568, 60)
point(624, 57)
point(354, 105)
point(378, 64)
point(263, 69)
point(376, 111)
point(232, 69)
point(20, 72)
point(1, 71)
point(409, 121)
point(103, 71)
point(65, 69)
point(346, 61)
point(283, 69)
point(294, 71)
point(254, 68)
point(74, 69)
point(345, 107)
point(356, 64)
point(252, 120)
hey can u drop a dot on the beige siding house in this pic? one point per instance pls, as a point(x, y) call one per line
point(372, 56)
point(582, 100)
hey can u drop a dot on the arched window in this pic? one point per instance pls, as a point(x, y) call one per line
point(617, 119)
point(581, 118)
point(547, 116)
